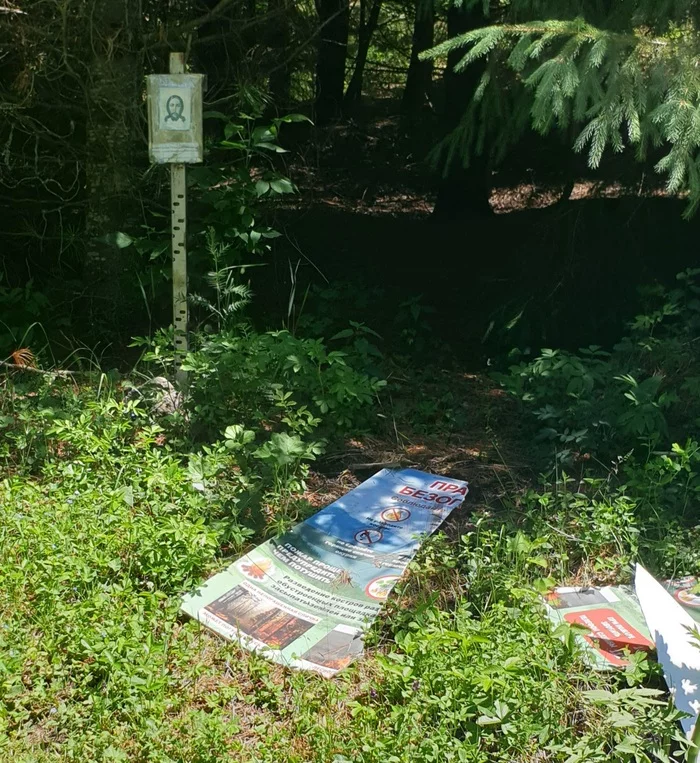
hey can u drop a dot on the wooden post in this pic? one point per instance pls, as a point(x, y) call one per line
point(178, 197)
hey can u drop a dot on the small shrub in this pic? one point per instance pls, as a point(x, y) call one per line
point(635, 397)
point(272, 380)
point(592, 527)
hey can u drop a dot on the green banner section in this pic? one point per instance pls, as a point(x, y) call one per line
point(306, 598)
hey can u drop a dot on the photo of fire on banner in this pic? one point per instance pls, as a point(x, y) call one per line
point(306, 598)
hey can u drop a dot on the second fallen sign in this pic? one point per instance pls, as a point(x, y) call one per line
point(306, 598)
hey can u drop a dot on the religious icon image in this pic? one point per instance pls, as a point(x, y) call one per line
point(174, 107)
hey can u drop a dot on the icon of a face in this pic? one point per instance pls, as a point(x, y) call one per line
point(174, 106)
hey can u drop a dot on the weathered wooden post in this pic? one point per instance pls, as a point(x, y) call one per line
point(175, 138)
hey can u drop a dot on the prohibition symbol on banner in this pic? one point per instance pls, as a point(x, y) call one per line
point(395, 514)
point(369, 536)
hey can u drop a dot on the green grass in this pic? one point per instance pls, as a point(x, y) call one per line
point(103, 527)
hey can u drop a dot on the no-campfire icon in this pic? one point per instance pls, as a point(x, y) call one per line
point(369, 536)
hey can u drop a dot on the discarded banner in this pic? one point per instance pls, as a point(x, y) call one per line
point(613, 618)
point(686, 591)
point(306, 598)
point(677, 636)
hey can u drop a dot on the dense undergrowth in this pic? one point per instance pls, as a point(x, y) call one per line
point(105, 524)
point(118, 495)
point(113, 506)
point(625, 423)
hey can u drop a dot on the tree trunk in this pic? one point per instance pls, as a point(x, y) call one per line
point(368, 23)
point(112, 105)
point(334, 17)
point(280, 37)
point(219, 46)
point(419, 79)
point(463, 192)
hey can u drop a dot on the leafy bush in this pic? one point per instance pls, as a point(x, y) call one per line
point(596, 526)
point(326, 309)
point(111, 529)
point(592, 527)
point(609, 403)
point(226, 235)
point(499, 688)
point(584, 405)
point(272, 380)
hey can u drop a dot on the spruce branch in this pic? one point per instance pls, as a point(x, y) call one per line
point(631, 82)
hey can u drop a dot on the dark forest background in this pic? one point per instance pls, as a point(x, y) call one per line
point(387, 211)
